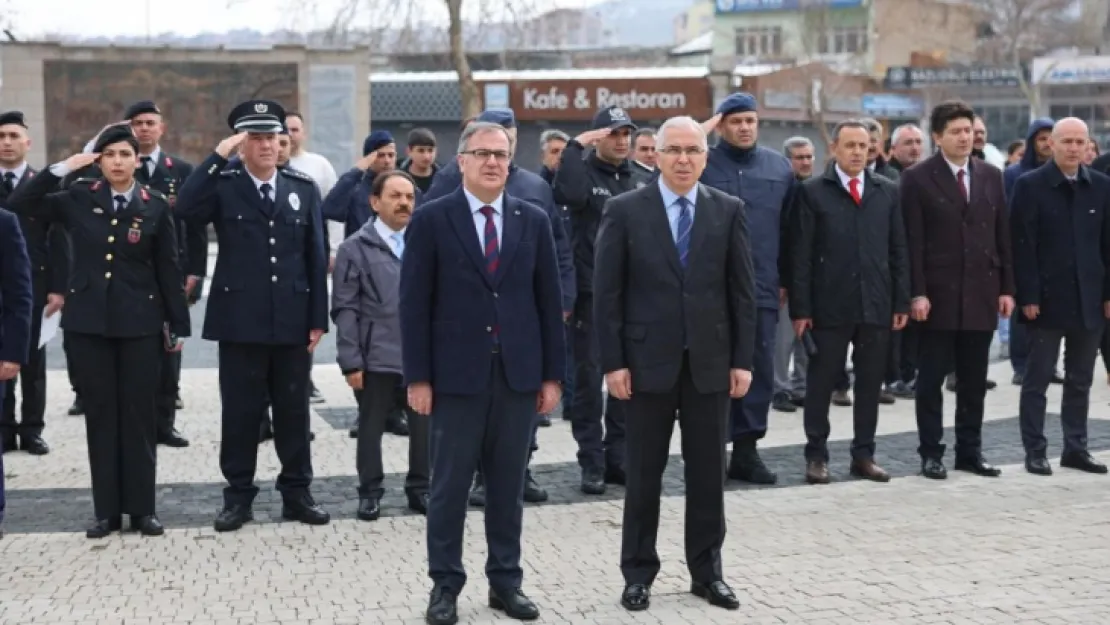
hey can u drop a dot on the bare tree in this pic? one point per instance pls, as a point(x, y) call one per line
point(1018, 30)
point(824, 70)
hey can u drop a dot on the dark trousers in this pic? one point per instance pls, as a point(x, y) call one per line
point(119, 380)
point(1019, 345)
point(568, 384)
point(869, 357)
point(380, 393)
point(250, 376)
point(493, 428)
point(909, 349)
point(748, 415)
point(32, 386)
point(968, 354)
point(1105, 348)
point(3, 503)
point(598, 429)
point(1080, 351)
point(167, 392)
point(703, 418)
point(69, 365)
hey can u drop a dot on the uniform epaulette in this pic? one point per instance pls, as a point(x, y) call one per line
point(293, 173)
point(156, 193)
point(84, 181)
point(232, 171)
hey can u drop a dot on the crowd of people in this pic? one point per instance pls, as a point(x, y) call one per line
point(640, 278)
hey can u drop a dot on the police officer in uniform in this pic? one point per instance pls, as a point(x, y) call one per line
point(166, 173)
point(125, 306)
point(268, 305)
point(49, 254)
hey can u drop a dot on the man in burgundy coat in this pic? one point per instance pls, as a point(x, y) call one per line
point(961, 280)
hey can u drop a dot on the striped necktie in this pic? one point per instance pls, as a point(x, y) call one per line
point(682, 231)
point(490, 244)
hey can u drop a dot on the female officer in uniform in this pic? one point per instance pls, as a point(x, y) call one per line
point(125, 304)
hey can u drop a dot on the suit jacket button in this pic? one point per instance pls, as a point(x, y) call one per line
point(226, 289)
point(115, 221)
point(150, 297)
point(108, 275)
point(108, 257)
point(273, 278)
point(489, 329)
point(273, 259)
point(495, 295)
point(111, 239)
point(271, 224)
point(272, 241)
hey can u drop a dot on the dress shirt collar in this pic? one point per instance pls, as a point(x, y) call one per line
point(956, 169)
point(129, 193)
point(476, 204)
point(386, 233)
point(258, 182)
point(670, 197)
point(844, 178)
point(18, 171)
point(154, 156)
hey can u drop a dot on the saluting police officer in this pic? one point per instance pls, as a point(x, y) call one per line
point(125, 305)
point(268, 305)
point(166, 174)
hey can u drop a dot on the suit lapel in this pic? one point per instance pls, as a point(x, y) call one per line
point(660, 225)
point(704, 213)
point(102, 195)
point(463, 222)
point(978, 184)
point(512, 228)
point(946, 182)
point(250, 193)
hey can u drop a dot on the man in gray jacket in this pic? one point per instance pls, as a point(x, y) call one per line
point(365, 307)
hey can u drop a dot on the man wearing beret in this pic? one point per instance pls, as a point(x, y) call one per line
point(48, 250)
point(763, 179)
point(268, 306)
point(532, 188)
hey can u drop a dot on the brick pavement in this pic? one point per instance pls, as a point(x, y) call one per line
point(1019, 549)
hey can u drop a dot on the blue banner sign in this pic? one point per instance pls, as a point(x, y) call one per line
point(753, 6)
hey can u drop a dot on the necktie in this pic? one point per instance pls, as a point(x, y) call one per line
point(121, 202)
point(268, 203)
point(961, 179)
point(490, 245)
point(398, 243)
point(9, 184)
point(144, 169)
point(682, 231)
point(853, 189)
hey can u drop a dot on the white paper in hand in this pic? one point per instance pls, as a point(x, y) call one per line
point(50, 327)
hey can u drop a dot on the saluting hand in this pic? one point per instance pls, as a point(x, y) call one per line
point(710, 124)
point(82, 160)
point(314, 337)
point(590, 137)
point(227, 145)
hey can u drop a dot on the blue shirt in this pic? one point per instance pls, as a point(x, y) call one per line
point(670, 201)
point(480, 219)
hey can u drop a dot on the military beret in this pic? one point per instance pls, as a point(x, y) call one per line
point(739, 102)
point(501, 116)
point(261, 116)
point(138, 108)
point(116, 134)
point(12, 117)
point(375, 140)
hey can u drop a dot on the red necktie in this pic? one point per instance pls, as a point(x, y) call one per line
point(853, 188)
point(963, 186)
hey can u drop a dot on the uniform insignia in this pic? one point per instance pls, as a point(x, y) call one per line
point(228, 172)
point(295, 201)
point(95, 186)
point(133, 235)
point(293, 173)
point(143, 194)
point(98, 211)
point(260, 108)
point(169, 162)
point(212, 169)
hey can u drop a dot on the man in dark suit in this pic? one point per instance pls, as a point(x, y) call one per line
point(675, 299)
point(15, 311)
point(482, 334)
point(961, 280)
point(1060, 218)
point(849, 284)
point(48, 250)
point(268, 306)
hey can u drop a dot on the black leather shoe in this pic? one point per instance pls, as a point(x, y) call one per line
point(746, 465)
point(991, 385)
point(104, 527)
point(781, 403)
point(34, 445)
point(545, 421)
point(1038, 466)
point(173, 439)
point(398, 424)
point(353, 432)
point(77, 409)
point(303, 509)
point(933, 469)
point(233, 517)
point(533, 492)
point(1082, 461)
point(314, 395)
point(593, 481)
point(478, 492)
point(977, 465)
point(147, 525)
point(636, 597)
point(615, 475)
point(717, 593)
point(369, 509)
point(442, 608)
point(514, 604)
point(418, 502)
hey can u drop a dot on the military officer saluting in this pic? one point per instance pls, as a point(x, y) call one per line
point(125, 305)
point(268, 305)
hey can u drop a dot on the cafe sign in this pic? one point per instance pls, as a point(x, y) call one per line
point(570, 100)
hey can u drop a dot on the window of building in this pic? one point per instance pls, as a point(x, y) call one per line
point(842, 40)
point(759, 42)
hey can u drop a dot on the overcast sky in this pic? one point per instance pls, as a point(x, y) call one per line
point(33, 18)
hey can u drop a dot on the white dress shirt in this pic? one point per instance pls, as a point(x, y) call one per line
point(258, 184)
point(956, 169)
point(153, 163)
point(844, 178)
point(18, 171)
point(387, 235)
point(480, 219)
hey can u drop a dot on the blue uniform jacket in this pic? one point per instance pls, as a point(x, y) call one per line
point(270, 284)
point(348, 202)
point(530, 187)
point(1061, 241)
point(15, 291)
point(450, 305)
point(763, 179)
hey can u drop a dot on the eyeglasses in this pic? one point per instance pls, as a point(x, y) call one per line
point(674, 150)
point(501, 156)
